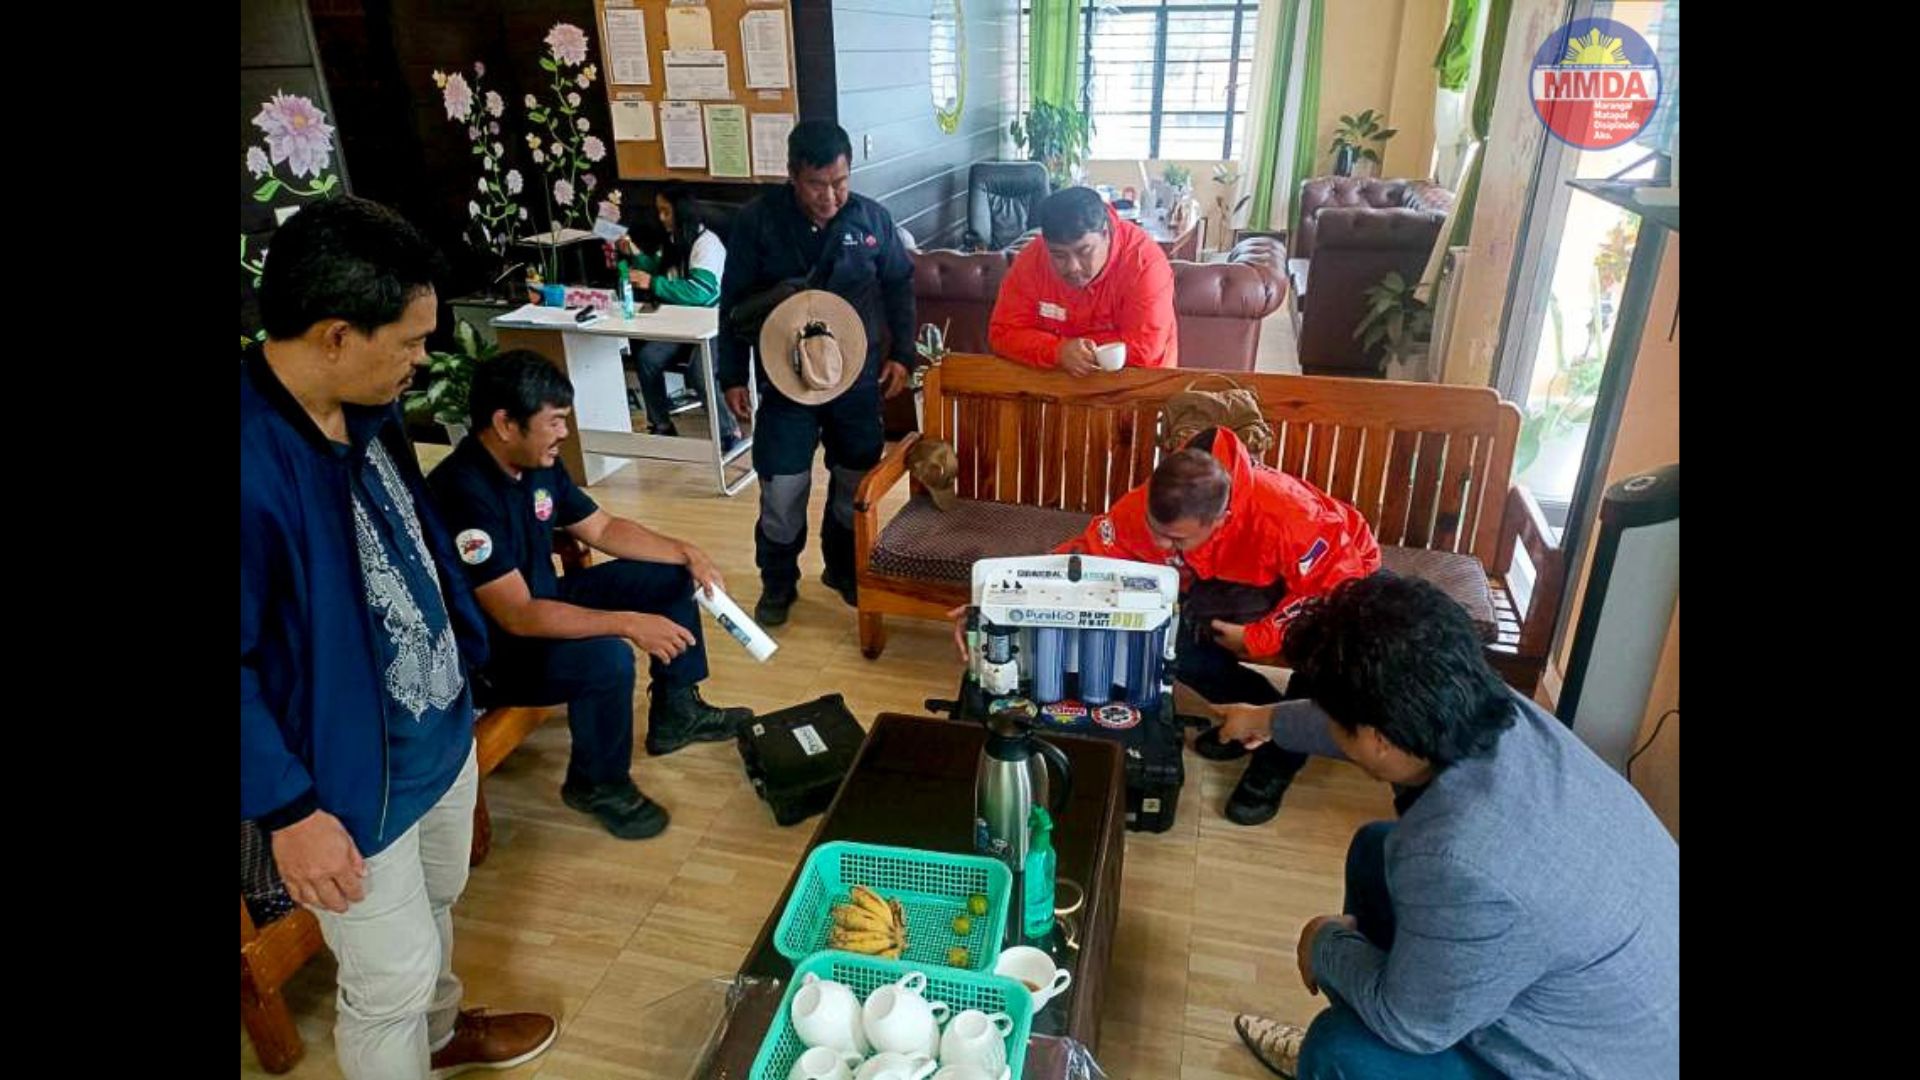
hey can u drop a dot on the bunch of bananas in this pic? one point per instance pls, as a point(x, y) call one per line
point(869, 924)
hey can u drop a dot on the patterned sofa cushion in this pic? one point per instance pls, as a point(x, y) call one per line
point(933, 545)
point(1459, 576)
point(260, 886)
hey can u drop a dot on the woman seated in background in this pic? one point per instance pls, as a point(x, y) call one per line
point(685, 271)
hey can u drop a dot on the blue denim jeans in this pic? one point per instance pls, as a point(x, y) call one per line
point(1339, 1046)
point(594, 677)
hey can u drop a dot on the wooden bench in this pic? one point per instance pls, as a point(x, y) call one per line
point(271, 954)
point(1431, 467)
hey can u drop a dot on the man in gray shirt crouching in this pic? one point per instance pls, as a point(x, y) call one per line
point(1521, 919)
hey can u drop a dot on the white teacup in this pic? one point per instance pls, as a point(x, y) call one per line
point(1112, 356)
point(972, 1072)
point(977, 1039)
point(827, 1014)
point(824, 1063)
point(1034, 970)
point(888, 1065)
point(897, 1018)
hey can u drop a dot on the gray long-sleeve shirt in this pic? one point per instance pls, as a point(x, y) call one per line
point(1536, 903)
point(1300, 725)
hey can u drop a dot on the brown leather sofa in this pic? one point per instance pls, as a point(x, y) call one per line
point(1218, 306)
point(1354, 230)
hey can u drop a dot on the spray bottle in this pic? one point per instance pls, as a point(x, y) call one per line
point(1037, 918)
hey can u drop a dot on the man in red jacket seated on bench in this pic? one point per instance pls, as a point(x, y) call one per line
point(1095, 280)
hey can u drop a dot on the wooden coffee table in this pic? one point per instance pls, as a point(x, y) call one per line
point(912, 786)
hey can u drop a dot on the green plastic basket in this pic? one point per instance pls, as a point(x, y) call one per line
point(961, 990)
point(932, 886)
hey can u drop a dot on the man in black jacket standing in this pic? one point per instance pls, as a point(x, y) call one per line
point(814, 234)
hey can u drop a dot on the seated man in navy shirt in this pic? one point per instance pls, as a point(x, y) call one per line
point(570, 640)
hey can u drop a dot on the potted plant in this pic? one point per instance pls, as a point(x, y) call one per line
point(1399, 325)
point(449, 378)
point(1354, 139)
point(1056, 136)
point(1178, 177)
point(1226, 181)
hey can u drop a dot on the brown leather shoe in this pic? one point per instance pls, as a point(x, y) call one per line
point(500, 1041)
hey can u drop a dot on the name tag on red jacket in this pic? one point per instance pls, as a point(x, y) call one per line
point(1052, 311)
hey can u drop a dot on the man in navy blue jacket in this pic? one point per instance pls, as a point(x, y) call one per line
point(813, 233)
point(356, 724)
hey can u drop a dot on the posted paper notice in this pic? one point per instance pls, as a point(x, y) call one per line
point(627, 47)
point(727, 140)
point(770, 143)
point(699, 75)
point(689, 27)
point(633, 121)
point(763, 39)
point(686, 147)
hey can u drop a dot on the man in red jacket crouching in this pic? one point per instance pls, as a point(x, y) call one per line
point(1253, 545)
point(1094, 281)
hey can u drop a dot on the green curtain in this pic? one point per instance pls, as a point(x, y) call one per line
point(1053, 53)
point(1306, 140)
point(1454, 61)
point(1273, 109)
point(1483, 94)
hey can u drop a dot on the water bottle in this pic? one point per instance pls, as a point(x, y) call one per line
point(626, 292)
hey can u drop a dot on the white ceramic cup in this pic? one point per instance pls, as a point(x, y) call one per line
point(1034, 970)
point(972, 1072)
point(824, 1063)
point(978, 1039)
point(888, 1065)
point(826, 1013)
point(897, 1018)
point(1112, 356)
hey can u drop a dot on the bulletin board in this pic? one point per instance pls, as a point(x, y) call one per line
point(646, 158)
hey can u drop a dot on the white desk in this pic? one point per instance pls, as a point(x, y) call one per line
point(603, 439)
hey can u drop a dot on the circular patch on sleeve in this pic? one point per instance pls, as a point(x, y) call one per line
point(474, 545)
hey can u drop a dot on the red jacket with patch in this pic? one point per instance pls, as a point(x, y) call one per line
point(1278, 527)
point(1131, 300)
